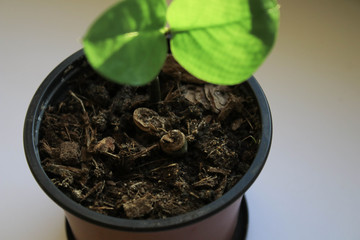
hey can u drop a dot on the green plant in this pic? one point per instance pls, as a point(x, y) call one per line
point(219, 41)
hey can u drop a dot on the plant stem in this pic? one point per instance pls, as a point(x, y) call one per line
point(155, 93)
point(165, 30)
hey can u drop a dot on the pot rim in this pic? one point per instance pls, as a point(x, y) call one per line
point(30, 140)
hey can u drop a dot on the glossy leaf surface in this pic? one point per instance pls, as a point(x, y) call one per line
point(222, 42)
point(127, 43)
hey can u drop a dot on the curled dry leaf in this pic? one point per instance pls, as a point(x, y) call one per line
point(173, 143)
point(149, 121)
point(195, 94)
point(211, 97)
point(218, 96)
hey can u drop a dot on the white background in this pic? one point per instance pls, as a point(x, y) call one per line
point(309, 188)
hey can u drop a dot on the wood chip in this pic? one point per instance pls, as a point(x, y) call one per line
point(207, 181)
point(105, 145)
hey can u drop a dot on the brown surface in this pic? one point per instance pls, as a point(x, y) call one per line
point(95, 153)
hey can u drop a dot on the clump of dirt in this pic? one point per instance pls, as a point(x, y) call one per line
point(109, 148)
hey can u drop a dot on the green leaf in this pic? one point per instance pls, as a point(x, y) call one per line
point(127, 43)
point(222, 42)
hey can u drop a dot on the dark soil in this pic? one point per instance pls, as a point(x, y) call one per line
point(109, 148)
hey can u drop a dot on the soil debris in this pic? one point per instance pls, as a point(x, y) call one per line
point(107, 147)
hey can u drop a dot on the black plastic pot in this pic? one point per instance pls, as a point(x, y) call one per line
point(216, 220)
